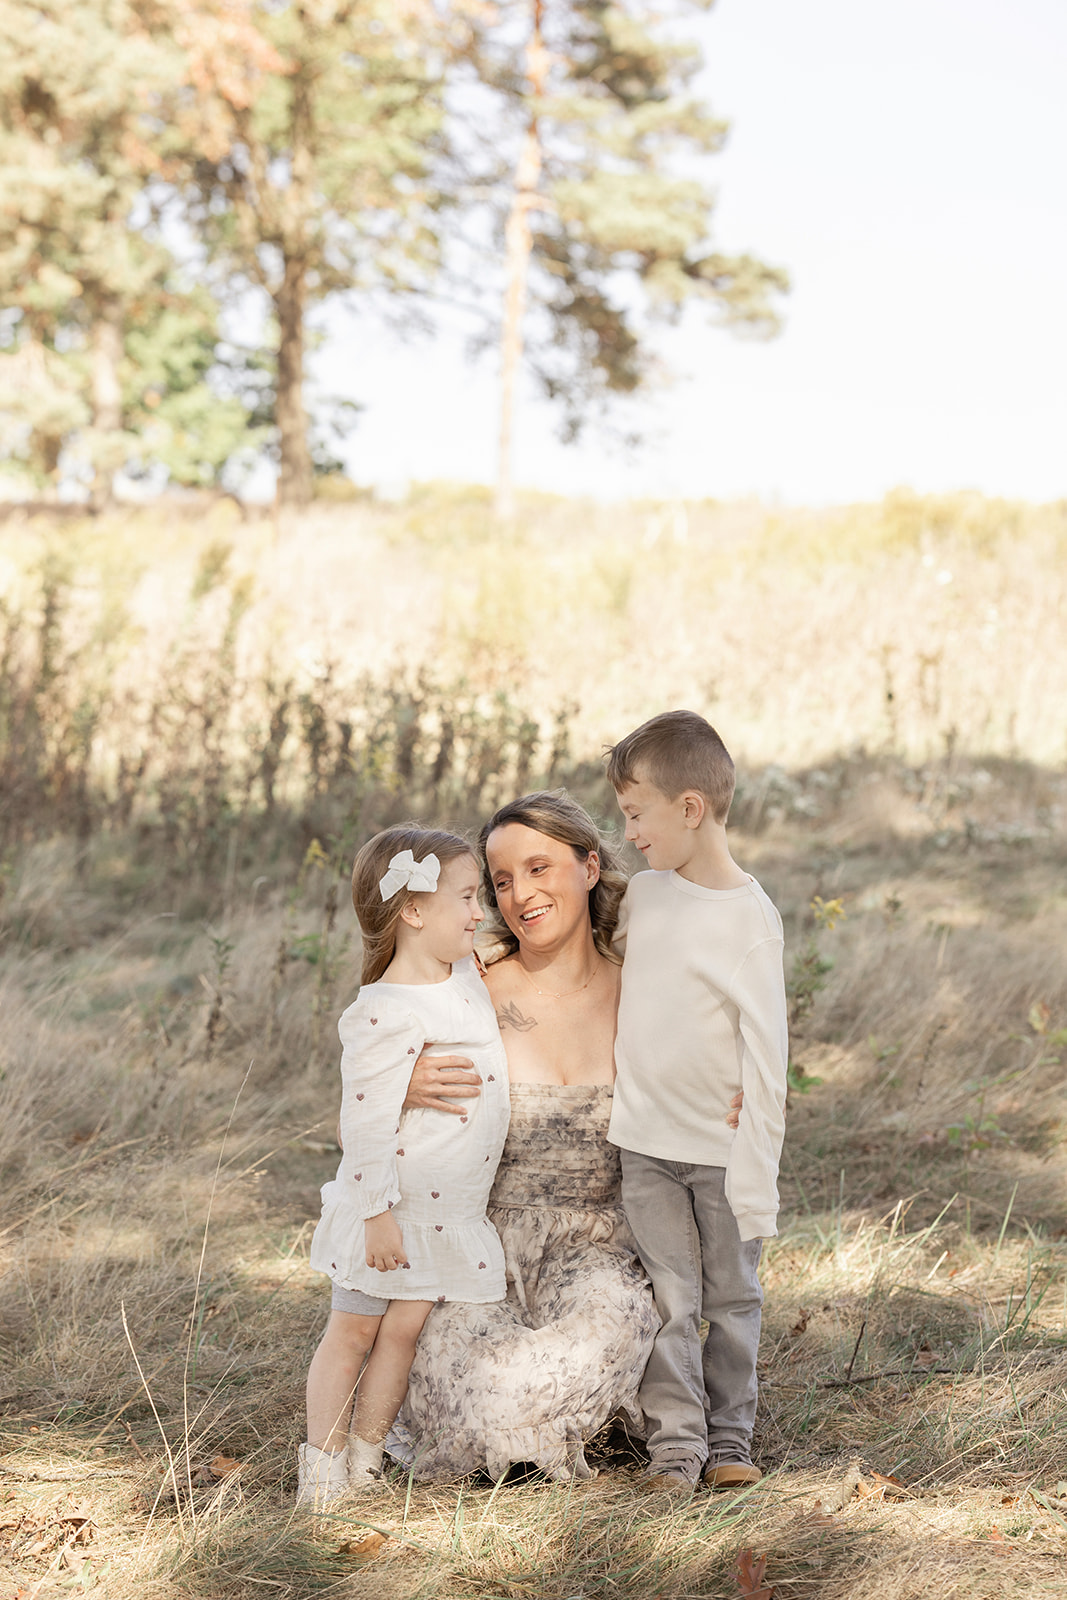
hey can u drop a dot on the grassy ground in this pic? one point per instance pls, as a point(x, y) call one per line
point(159, 1192)
point(177, 946)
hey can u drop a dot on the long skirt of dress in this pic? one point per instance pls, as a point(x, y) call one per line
point(532, 1377)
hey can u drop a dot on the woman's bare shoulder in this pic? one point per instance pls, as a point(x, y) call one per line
point(502, 977)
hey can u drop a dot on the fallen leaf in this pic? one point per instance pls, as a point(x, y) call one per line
point(748, 1575)
point(1039, 1016)
point(367, 1545)
point(820, 1516)
point(211, 1473)
point(999, 1543)
point(801, 1324)
point(879, 1486)
point(77, 1517)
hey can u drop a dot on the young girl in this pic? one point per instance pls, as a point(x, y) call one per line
point(403, 1224)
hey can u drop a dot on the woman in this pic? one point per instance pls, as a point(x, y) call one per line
point(530, 1378)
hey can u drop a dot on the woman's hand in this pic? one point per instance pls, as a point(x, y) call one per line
point(384, 1242)
point(437, 1082)
point(733, 1116)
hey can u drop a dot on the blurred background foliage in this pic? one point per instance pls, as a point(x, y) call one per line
point(168, 164)
point(213, 693)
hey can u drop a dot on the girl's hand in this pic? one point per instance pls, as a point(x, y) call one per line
point(733, 1116)
point(384, 1242)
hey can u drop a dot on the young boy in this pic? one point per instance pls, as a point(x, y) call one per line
point(702, 1016)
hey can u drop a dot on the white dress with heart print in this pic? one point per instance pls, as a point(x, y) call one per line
point(434, 1171)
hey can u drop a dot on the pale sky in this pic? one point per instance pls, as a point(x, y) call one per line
point(906, 163)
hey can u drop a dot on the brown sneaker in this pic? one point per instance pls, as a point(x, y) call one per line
point(675, 1483)
point(731, 1475)
point(676, 1472)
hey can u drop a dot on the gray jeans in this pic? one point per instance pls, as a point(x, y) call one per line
point(688, 1241)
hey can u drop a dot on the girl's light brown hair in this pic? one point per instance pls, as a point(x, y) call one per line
point(378, 918)
point(557, 816)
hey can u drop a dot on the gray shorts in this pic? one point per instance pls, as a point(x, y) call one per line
point(357, 1303)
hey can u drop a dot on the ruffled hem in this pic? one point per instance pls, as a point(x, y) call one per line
point(556, 1447)
point(460, 1262)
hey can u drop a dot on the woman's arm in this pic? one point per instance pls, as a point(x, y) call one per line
point(438, 1082)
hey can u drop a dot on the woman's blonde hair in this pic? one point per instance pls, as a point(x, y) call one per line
point(378, 918)
point(557, 816)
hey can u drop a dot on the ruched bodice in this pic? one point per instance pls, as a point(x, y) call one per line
point(556, 1155)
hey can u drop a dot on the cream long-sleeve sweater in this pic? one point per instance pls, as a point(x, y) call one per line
point(703, 1014)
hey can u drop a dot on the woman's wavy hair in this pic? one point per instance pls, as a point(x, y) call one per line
point(378, 918)
point(555, 814)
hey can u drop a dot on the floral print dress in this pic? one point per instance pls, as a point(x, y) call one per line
point(533, 1377)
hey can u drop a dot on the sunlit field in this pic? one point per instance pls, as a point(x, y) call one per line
point(203, 716)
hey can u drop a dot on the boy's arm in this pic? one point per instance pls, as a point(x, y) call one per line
point(379, 1043)
point(758, 991)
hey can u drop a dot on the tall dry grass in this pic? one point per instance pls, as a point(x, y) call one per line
point(200, 673)
point(177, 945)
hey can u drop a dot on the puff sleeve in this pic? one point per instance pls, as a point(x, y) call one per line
point(380, 1042)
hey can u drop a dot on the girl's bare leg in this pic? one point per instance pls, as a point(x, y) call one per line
point(332, 1376)
point(385, 1377)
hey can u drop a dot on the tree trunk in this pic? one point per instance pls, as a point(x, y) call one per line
point(295, 476)
point(518, 244)
point(107, 396)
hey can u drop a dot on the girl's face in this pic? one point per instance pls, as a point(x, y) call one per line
point(541, 886)
point(450, 916)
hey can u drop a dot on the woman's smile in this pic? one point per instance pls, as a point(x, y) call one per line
point(524, 863)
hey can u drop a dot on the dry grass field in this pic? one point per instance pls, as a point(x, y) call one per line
point(201, 719)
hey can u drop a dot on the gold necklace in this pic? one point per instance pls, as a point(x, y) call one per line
point(551, 993)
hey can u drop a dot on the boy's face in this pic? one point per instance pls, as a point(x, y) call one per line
point(662, 829)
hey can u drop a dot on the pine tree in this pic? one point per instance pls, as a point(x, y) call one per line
point(92, 93)
point(601, 192)
point(319, 184)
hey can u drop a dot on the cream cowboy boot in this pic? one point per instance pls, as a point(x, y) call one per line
point(322, 1476)
point(364, 1460)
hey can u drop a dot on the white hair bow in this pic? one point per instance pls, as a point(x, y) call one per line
point(407, 873)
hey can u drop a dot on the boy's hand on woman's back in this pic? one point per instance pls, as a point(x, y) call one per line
point(733, 1116)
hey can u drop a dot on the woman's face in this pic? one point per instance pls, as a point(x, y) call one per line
point(541, 887)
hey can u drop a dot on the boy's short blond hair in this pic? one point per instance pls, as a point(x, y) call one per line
point(677, 750)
